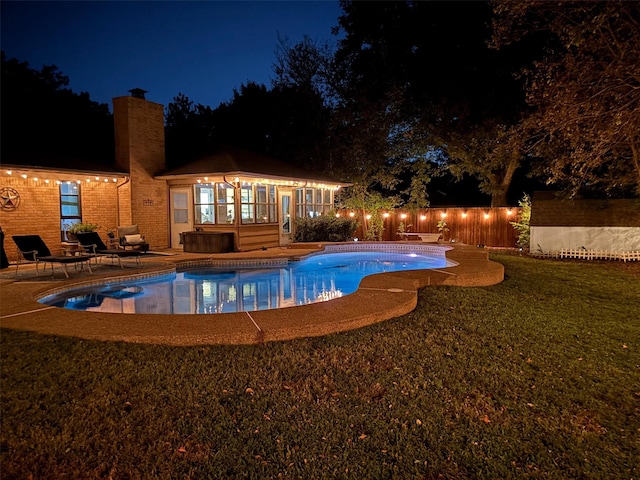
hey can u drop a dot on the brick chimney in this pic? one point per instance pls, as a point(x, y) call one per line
point(139, 141)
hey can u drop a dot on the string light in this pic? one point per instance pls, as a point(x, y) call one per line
point(68, 181)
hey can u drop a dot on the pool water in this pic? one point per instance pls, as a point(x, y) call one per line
point(317, 278)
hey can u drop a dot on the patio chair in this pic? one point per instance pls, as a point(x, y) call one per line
point(94, 245)
point(32, 249)
point(130, 236)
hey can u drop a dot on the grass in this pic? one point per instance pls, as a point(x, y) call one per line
point(538, 377)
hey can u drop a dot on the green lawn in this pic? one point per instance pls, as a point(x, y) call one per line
point(536, 377)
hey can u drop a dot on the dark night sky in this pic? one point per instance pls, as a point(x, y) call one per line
point(203, 49)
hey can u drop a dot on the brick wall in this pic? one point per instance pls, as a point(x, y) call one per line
point(139, 136)
point(39, 210)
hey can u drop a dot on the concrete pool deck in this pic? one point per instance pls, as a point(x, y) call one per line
point(380, 297)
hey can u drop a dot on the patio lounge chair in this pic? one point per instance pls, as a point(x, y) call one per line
point(32, 249)
point(130, 236)
point(94, 245)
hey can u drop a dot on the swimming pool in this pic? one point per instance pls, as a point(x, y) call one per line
point(216, 289)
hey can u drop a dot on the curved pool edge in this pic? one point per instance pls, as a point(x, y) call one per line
point(380, 297)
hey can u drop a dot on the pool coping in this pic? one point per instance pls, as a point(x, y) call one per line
point(379, 297)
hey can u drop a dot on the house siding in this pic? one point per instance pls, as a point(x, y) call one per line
point(609, 225)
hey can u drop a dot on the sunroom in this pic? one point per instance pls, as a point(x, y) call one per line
point(253, 197)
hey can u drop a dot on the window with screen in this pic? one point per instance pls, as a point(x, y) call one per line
point(313, 202)
point(258, 203)
point(214, 204)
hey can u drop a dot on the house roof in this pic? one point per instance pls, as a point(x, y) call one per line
point(60, 163)
point(240, 162)
point(65, 170)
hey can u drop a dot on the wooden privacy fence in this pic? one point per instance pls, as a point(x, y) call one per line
point(473, 225)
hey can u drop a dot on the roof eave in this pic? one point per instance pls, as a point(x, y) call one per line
point(61, 171)
point(243, 174)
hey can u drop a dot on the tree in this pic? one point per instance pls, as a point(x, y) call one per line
point(284, 122)
point(306, 65)
point(449, 91)
point(188, 130)
point(45, 122)
point(492, 153)
point(586, 91)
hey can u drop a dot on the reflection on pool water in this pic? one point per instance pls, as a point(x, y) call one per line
point(317, 278)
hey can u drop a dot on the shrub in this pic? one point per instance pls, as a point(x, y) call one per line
point(522, 225)
point(82, 227)
point(325, 228)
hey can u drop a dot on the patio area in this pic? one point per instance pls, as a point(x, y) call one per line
point(379, 297)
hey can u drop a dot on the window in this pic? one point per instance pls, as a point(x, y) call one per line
point(313, 202)
point(225, 204)
point(214, 203)
point(70, 211)
point(258, 203)
point(204, 204)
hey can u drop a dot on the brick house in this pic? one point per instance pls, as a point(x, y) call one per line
point(254, 197)
point(610, 225)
